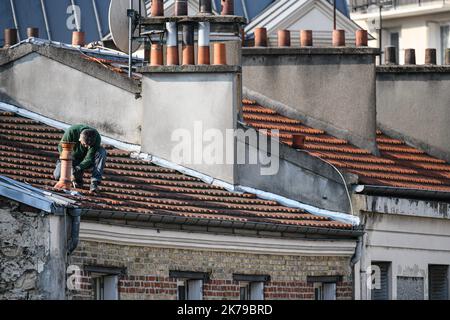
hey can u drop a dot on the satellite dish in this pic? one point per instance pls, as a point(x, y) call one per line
point(118, 23)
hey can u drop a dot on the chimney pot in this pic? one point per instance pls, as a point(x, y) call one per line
point(156, 55)
point(188, 44)
point(172, 44)
point(447, 56)
point(338, 38)
point(430, 56)
point(390, 55)
point(243, 37)
point(157, 8)
point(78, 38)
point(181, 8)
point(66, 166)
point(298, 141)
point(410, 56)
point(361, 38)
point(306, 38)
point(147, 53)
point(10, 37)
point(227, 7)
point(204, 29)
point(260, 37)
point(32, 32)
point(220, 54)
point(205, 6)
point(284, 38)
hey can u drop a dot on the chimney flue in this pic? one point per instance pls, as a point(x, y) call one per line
point(361, 38)
point(172, 44)
point(447, 56)
point(338, 38)
point(78, 38)
point(10, 37)
point(204, 29)
point(260, 37)
point(205, 6)
point(390, 55)
point(157, 8)
point(306, 38)
point(181, 8)
point(284, 38)
point(410, 56)
point(66, 166)
point(227, 7)
point(298, 141)
point(188, 44)
point(430, 56)
point(220, 54)
point(156, 55)
point(32, 32)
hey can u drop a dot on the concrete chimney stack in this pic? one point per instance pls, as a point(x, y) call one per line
point(65, 181)
point(306, 38)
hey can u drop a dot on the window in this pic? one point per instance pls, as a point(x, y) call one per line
point(190, 284)
point(438, 282)
point(445, 41)
point(105, 282)
point(381, 282)
point(324, 286)
point(251, 286)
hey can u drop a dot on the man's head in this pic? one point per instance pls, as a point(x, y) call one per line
point(87, 138)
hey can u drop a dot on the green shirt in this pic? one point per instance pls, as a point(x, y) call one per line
point(85, 156)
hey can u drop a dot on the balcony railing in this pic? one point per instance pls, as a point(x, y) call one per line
point(362, 5)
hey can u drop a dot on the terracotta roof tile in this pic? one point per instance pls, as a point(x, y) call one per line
point(398, 165)
point(28, 152)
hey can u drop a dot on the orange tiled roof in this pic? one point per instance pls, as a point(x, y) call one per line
point(398, 165)
point(28, 152)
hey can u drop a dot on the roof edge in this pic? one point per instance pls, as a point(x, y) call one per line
point(419, 194)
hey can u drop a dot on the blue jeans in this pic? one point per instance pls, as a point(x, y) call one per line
point(97, 168)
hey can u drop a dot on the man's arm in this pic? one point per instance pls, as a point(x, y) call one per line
point(90, 156)
point(67, 137)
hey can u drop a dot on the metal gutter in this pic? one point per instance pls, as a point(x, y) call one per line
point(402, 192)
point(183, 221)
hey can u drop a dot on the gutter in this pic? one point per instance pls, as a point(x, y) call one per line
point(402, 192)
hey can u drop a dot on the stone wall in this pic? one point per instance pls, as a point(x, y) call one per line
point(147, 271)
point(24, 250)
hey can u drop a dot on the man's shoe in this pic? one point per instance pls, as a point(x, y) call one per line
point(94, 186)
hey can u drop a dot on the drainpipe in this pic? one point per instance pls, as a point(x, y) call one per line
point(74, 230)
point(357, 283)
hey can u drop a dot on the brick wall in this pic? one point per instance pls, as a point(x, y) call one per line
point(147, 271)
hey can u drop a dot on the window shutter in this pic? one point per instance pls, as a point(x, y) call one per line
point(383, 292)
point(195, 288)
point(111, 291)
point(329, 291)
point(438, 282)
point(257, 291)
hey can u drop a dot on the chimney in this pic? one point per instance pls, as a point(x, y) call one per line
point(188, 44)
point(172, 44)
point(156, 55)
point(227, 7)
point(298, 141)
point(32, 32)
point(10, 37)
point(361, 38)
point(284, 38)
point(338, 38)
point(78, 38)
point(306, 38)
point(181, 8)
point(157, 8)
point(430, 56)
point(410, 56)
point(203, 43)
point(390, 55)
point(260, 37)
point(447, 56)
point(220, 54)
point(65, 181)
point(205, 7)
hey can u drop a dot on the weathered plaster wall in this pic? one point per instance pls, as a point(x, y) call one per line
point(32, 258)
point(335, 86)
point(58, 91)
point(412, 103)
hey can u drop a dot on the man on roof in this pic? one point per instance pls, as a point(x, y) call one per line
point(87, 153)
